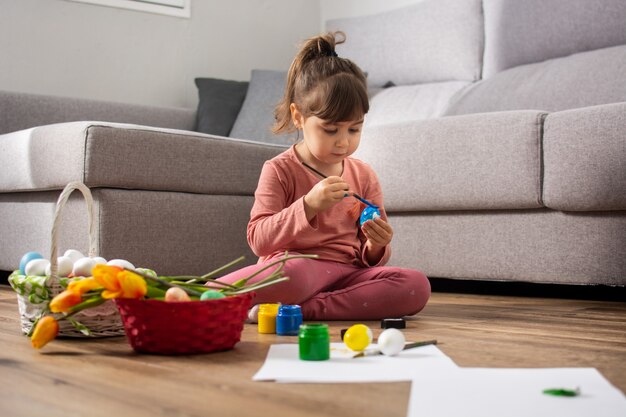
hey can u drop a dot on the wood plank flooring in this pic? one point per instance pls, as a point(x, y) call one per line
point(103, 377)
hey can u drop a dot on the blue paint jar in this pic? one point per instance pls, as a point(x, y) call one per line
point(368, 213)
point(288, 320)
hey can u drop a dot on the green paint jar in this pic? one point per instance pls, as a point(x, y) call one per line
point(314, 342)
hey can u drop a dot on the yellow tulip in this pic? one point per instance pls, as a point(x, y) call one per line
point(62, 302)
point(133, 285)
point(106, 276)
point(46, 330)
point(119, 283)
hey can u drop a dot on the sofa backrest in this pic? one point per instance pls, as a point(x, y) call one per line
point(448, 57)
point(416, 57)
point(519, 32)
point(22, 111)
point(430, 41)
point(549, 55)
point(580, 80)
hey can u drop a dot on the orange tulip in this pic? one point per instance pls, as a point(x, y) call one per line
point(62, 302)
point(119, 283)
point(46, 330)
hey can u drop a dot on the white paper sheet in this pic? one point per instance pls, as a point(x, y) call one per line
point(493, 392)
point(283, 365)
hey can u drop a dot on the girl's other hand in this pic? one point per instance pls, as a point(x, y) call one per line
point(378, 233)
point(325, 194)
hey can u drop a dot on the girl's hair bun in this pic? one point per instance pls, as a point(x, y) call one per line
point(332, 89)
point(324, 45)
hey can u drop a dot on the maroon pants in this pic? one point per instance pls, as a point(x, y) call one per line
point(328, 290)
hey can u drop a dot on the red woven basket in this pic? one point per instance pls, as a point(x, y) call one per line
point(187, 327)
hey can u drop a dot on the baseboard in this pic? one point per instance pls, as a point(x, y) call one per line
point(4, 277)
point(527, 289)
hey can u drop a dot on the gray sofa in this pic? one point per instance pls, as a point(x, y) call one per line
point(497, 128)
point(166, 197)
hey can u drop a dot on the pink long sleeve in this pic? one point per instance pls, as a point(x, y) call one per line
point(275, 222)
point(278, 221)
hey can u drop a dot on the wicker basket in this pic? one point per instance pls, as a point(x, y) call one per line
point(34, 293)
point(187, 327)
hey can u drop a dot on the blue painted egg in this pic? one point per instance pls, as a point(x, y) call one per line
point(368, 213)
point(29, 256)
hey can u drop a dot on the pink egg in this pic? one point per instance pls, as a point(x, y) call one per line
point(176, 294)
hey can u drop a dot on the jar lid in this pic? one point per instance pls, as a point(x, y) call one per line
point(314, 328)
point(289, 310)
point(268, 308)
point(394, 323)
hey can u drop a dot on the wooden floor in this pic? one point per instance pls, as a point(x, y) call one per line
point(105, 378)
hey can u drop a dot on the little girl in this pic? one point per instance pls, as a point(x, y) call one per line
point(298, 210)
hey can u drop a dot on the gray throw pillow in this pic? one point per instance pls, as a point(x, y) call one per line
point(256, 118)
point(219, 104)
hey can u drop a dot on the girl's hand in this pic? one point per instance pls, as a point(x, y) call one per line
point(378, 233)
point(324, 195)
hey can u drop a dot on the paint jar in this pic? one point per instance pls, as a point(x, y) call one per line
point(288, 320)
point(314, 342)
point(267, 318)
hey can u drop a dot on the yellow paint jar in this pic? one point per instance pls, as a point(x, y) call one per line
point(267, 318)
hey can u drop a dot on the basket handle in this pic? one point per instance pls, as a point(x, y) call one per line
point(65, 195)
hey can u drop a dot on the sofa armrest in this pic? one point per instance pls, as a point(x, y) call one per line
point(132, 157)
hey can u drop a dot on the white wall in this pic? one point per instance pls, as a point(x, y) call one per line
point(337, 9)
point(66, 48)
point(74, 49)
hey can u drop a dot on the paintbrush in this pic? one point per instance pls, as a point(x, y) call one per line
point(358, 197)
point(406, 346)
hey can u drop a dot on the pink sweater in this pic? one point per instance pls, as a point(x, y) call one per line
point(278, 221)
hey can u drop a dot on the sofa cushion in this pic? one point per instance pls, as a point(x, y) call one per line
point(580, 80)
point(20, 111)
point(218, 105)
point(585, 159)
point(130, 156)
point(479, 161)
point(431, 41)
point(410, 102)
point(521, 32)
point(256, 118)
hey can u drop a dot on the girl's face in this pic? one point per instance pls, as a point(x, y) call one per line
point(329, 143)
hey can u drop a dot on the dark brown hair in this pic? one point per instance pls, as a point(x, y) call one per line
point(322, 84)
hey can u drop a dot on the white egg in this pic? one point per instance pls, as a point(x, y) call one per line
point(73, 254)
point(122, 263)
point(36, 267)
point(64, 266)
point(83, 267)
point(99, 260)
point(391, 342)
